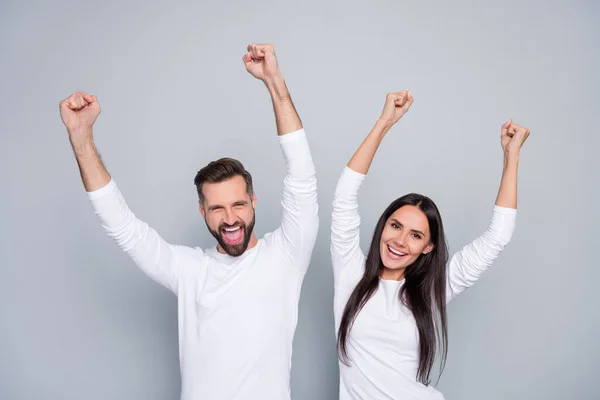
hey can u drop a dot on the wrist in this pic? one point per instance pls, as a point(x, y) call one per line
point(82, 144)
point(511, 160)
point(276, 86)
point(511, 156)
point(383, 125)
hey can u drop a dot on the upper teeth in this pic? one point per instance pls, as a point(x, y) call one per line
point(232, 229)
point(396, 252)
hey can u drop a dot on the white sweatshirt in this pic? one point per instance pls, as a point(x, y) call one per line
point(383, 344)
point(236, 315)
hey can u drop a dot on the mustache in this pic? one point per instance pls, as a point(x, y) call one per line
point(238, 224)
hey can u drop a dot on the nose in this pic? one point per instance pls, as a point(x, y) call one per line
point(230, 217)
point(400, 240)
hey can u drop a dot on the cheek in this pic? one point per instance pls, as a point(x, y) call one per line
point(417, 246)
point(382, 247)
point(386, 235)
point(213, 220)
point(245, 215)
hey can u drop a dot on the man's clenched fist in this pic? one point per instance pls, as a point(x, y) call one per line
point(261, 62)
point(79, 112)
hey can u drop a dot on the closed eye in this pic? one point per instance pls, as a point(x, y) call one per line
point(414, 233)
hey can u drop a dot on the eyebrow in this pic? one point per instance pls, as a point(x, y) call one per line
point(412, 230)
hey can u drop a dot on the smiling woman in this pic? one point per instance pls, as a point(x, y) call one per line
point(390, 306)
point(405, 235)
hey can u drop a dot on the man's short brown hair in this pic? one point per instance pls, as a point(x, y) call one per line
point(219, 171)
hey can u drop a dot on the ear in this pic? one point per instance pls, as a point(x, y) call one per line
point(202, 210)
point(253, 200)
point(428, 249)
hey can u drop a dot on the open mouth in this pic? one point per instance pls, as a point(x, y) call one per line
point(395, 254)
point(233, 235)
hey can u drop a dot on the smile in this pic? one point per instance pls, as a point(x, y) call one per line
point(396, 253)
point(233, 235)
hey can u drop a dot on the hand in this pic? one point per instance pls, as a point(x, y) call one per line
point(396, 105)
point(79, 112)
point(513, 136)
point(261, 61)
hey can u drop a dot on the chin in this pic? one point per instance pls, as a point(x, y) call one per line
point(395, 265)
point(234, 250)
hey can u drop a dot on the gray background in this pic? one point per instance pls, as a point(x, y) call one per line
point(79, 321)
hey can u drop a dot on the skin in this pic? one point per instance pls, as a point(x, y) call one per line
point(406, 233)
point(227, 204)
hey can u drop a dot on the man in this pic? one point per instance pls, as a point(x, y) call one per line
point(237, 302)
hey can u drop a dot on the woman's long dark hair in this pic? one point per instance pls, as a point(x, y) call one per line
point(423, 292)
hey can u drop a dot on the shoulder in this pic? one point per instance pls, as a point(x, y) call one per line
point(271, 240)
point(274, 244)
point(187, 254)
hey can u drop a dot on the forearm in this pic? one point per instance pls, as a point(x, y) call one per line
point(286, 117)
point(507, 194)
point(93, 173)
point(362, 158)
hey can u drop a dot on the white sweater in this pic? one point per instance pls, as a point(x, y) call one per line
point(237, 315)
point(383, 344)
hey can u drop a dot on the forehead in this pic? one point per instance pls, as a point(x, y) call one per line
point(412, 217)
point(225, 192)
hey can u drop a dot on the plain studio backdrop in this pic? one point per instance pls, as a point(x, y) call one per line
point(80, 321)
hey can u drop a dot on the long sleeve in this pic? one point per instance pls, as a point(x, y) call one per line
point(153, 255)
point(347, 257)
point(467, 265)
point(300, 219)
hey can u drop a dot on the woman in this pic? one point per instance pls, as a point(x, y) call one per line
point(390, 306)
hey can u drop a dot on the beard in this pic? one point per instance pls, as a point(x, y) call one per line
point(234, 250)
